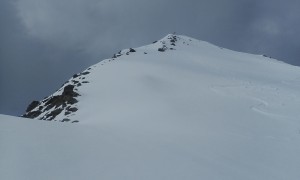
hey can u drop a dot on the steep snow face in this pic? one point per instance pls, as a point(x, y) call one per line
point(179, 108)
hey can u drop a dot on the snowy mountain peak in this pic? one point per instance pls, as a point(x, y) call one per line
point(153, 76)
point(63, 102)
point(176, 109)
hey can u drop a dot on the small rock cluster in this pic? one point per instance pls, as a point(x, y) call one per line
point(127, 52)
point(266, 56)
point(172, 39)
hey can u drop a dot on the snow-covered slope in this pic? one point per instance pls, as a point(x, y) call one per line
point(179, 108)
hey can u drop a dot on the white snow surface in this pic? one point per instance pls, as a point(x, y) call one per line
point(195, 112)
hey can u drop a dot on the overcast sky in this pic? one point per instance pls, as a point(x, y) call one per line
point(44, 42)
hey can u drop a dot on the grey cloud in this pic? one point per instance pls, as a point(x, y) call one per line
point(95, 25)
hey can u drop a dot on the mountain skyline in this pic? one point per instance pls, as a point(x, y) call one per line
point(179, 108)
point(52, 40)
point(209, 59)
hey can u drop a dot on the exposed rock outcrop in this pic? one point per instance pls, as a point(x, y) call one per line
point(32, 105)
point(62, 102)
point(53, 104)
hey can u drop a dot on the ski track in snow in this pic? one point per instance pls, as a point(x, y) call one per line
point(260, 104)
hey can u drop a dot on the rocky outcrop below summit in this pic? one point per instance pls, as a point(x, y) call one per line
point(63, 102)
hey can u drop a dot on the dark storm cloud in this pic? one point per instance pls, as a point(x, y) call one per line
point(43, 42)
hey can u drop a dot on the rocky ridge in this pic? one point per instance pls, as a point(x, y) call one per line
point(63, 103)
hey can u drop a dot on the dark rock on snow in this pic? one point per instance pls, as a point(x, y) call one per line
point(132, 50)
point(58, 102)
point(32, 105)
